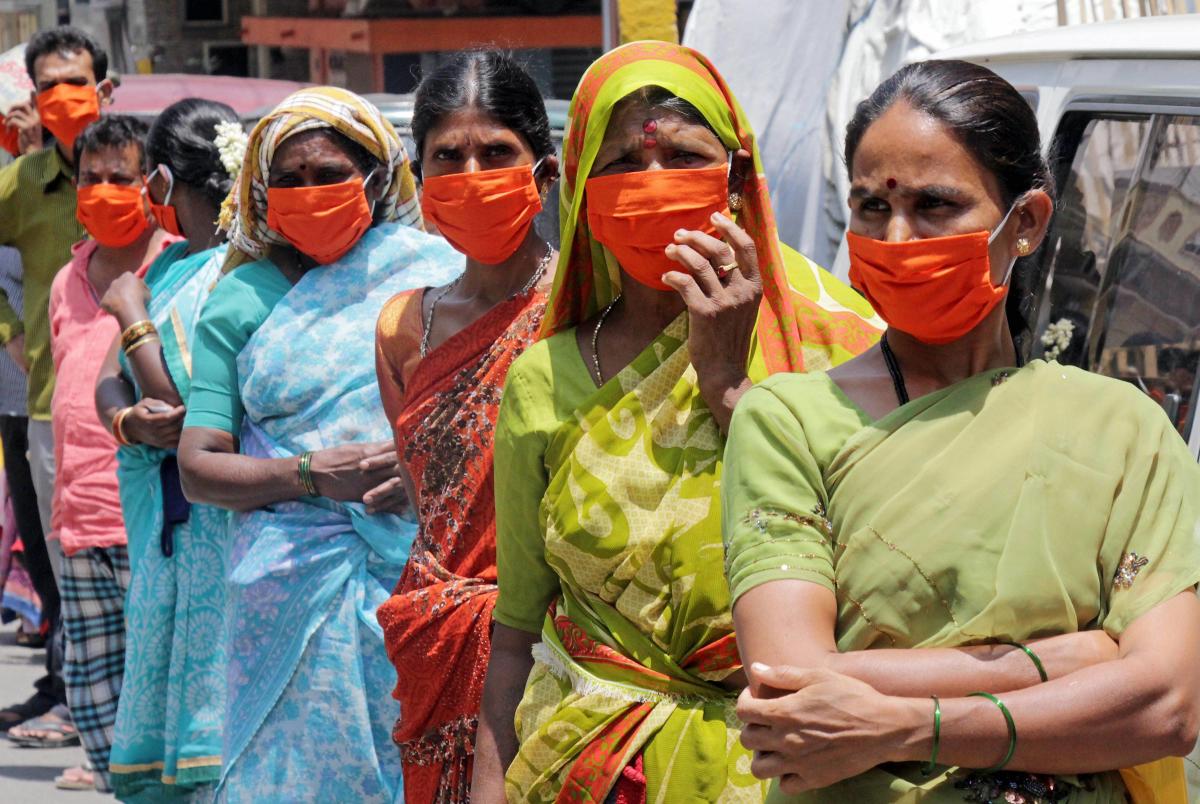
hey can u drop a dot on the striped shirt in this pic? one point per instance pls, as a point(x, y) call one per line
point(12, 379)
point(37, 217)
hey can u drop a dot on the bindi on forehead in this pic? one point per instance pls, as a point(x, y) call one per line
point(649, 127)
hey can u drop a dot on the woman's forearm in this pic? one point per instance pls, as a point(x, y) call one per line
point(1142, 707)
point(496, 742)
point(213, 473)
point(806, 640)
point(147, 362)
point(113, 391)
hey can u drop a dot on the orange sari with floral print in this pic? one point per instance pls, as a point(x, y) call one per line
point(444, 409)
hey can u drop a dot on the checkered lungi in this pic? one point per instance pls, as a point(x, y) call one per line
point(94, 583)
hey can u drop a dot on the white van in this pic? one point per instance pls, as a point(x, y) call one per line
point(1118, 283)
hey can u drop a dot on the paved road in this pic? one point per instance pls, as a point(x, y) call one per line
point(27, 774)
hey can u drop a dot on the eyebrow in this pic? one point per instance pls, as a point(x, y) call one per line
point(939, 190)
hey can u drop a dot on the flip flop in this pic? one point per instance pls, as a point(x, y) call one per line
point(67, 734)
point(15, 715)
point(73, 779)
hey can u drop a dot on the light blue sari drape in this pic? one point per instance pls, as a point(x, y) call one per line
point(310, 706)
point(167, 740)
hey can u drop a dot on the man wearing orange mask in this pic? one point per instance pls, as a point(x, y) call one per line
point(37, 217)
point(86, 518)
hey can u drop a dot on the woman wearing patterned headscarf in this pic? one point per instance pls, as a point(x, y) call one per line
point(672, 295)
point(285, 428)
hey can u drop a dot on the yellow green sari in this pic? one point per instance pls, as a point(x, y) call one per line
point(606, 498)
point(1014, 505)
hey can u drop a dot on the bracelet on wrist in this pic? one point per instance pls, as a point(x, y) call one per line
point(118, 427)
point(140, 342)
point(1012, 729)
point(136, 330)
point(304, 468)
point(1033, 657)
point(937, 737)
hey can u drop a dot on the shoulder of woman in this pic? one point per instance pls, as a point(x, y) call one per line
point(1112, 407)
point(400, 314)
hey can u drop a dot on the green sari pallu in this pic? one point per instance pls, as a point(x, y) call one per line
point(632, 652)
point(1015, 505)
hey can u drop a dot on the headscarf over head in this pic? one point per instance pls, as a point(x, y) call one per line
point(798, 307)
point(244, 213)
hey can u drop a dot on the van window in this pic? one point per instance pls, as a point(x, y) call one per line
point(1123, 257)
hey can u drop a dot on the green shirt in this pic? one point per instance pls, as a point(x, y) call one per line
point(37, 217)
point(235, 309)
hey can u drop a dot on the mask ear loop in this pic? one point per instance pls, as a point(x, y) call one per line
point(995, 232)
point(367, 181)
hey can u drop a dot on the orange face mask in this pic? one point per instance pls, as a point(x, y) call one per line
point(936, 290)
point(113, 214)
point(485, 215)
point(164, 213)
point(66, 110)
point(636, 215)
point(323, 222)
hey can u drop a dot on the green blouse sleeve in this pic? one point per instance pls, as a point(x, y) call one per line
point(1151, 549)
point(237, 306)
point(527, 583)
point(773, 498)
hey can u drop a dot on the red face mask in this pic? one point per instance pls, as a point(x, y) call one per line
point(323, 222)
point(636, 215)
point(936, 290)
point(66, 110)
point(485, 215)
point(113, 214)
point(164, 213)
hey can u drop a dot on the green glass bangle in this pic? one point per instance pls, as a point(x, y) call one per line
point(937, 736)
point(1012, 729)
point(1033, 656)
point(306, 479)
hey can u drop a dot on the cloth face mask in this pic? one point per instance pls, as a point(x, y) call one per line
point(164, 213)
point(113, 214)
point(66, 110)
point(324, 221)
point(486, 214)
point(937, 289)
point(635, 215)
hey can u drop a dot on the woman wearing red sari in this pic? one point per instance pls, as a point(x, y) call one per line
point(486, 159)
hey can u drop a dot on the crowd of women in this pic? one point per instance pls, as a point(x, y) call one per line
point(419, 507)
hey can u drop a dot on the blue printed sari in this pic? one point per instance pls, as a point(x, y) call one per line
point(310, 706)
point(167, 741)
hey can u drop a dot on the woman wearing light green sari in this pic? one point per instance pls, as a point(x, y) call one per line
point(609, 438)
point(986, 572)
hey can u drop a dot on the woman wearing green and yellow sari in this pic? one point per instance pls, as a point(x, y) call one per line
point(609, 439)
point(988, 570)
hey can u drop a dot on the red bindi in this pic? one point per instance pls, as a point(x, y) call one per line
point(891, 183)
point(650, 126)
point(649, 143)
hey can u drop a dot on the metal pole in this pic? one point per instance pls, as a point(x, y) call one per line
point(610, 21)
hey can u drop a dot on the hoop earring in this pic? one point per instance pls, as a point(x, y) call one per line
point(735, 202)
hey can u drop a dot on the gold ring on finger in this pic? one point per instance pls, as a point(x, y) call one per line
point(723, 270)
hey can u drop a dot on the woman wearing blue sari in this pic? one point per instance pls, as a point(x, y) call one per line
point(285, 427)
point(167, 741)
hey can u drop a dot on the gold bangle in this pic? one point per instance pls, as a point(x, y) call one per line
point(135, 331)
point(118, 427)
point(140, 342)
point(304, 468)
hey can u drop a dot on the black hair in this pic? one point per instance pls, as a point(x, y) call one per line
point(491, 81)
point(112, 131)
point(66, 39)
point(993, 121)
point(184, 139)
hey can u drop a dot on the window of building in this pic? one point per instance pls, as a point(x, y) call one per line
point(206, 11)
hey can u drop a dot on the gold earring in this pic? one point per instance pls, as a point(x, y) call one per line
point(1023, 247)
point(735, 202)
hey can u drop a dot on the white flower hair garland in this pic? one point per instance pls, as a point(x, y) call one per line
point(231, 142)
point(1057, 338)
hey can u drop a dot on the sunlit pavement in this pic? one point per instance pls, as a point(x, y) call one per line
point(27, 774)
